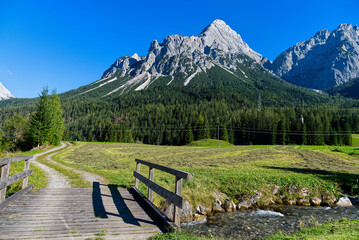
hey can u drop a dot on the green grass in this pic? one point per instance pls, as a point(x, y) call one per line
point(236, 170)
point(75, 179)
point(355, 140)
point(179, 236)
point(210, 143)
point(344, 229)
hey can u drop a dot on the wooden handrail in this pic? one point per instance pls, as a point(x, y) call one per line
point(5, 161)
point(173, 197)
point(6, 180)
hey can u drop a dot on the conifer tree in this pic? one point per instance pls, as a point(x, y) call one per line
point(46, 123)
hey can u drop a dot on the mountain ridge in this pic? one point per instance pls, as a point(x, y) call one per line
point(328, 59)
point(184, 56)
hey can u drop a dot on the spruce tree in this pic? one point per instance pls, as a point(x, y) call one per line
point(46, 123)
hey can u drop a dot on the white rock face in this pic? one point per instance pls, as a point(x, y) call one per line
point(217, 44)
point(4, 93)
point(327, 59)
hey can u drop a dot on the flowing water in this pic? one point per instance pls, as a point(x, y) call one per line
point(261, 223)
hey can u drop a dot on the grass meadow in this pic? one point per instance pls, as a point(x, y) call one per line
point(233, 170)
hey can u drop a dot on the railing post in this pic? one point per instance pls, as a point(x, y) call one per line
point(152, 178)
point(138, 165)
point(178, 211)
point(4, 174)
point(25, 181)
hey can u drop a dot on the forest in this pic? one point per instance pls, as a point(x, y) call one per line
point(179, 117)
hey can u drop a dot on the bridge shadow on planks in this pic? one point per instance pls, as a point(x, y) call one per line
point(101, 194)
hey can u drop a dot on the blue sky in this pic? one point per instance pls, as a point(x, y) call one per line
point(67, 44)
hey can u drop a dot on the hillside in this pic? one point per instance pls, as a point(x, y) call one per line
point(349, 89)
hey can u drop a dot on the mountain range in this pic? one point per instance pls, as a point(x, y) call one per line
point(218, 56)
point(326, 60)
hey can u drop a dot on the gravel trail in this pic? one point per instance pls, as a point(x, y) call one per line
point(55, 179)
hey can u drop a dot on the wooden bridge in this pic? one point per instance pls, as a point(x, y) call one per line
point(101, 212)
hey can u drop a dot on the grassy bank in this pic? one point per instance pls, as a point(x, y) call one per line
point(344, 229)
point(235, 171)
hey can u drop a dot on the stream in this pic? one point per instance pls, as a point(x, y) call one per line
point(263, 222)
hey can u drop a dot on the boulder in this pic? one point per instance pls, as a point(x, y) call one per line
point(228, 205)
point(304, 192)
point(344, 202)
point(199, 218)
point(203, 210)
point(329, 200)
point(315, 201)
point(254, 198)
point(291, 202)
point(244, 205)
point(217, 208)
point(220, 197)
point(303, 202)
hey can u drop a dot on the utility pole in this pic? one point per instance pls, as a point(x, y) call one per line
point(218, 137)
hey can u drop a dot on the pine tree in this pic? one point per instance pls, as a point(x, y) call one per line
point(46, 124)
point(188, 135)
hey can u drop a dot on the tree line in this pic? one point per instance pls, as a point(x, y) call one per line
point(45, 126)
point(177, 117)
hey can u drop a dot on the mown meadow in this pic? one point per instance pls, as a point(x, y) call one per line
point(234, 170)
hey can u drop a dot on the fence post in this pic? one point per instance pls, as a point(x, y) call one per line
point(138, 165)
point(25, 181)
point(176, 210)
point(4, 174)
point(152, 178)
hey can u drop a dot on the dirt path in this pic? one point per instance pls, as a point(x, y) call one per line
point(55, 179)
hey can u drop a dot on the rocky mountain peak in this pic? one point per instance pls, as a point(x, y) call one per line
point(326, 60)
point(216, 45)
point(4, 93)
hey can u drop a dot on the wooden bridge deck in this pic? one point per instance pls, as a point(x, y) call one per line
point(104, 211)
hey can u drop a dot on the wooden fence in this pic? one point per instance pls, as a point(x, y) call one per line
point(174, 197)
point(6, 180)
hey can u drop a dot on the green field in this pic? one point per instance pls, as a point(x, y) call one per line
point(235, 171)
point(355, 140)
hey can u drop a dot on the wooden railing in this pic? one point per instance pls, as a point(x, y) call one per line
point(173, 197)
point(6, 180)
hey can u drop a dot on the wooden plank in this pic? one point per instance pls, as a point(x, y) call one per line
point(5, 161)
point(14, 178)
point(158, 214)
point(173, 171)
point(163, 192)
point(152, 178)
point(177, 211)
point(4, 176)
point(138, 165)
point(14, 197)
point(25, 181)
